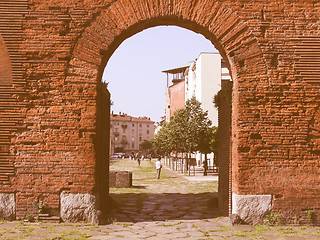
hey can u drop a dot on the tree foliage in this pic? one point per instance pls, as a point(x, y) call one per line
point(145, 145)
point(189, 130)
point(161, 142)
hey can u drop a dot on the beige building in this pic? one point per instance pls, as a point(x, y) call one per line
point(128, 132)
point(201, 79)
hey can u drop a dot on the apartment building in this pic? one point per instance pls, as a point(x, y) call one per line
point(128, 132)
point(201, 79)
point(175, 91)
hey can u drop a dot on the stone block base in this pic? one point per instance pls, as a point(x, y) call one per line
point(251, 208)
point(7, 206)
point(77, 207)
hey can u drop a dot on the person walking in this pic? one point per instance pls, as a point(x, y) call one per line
point(158, 167)
point(138, 156)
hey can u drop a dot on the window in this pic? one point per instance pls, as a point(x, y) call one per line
point(140, 139)
point(132, 124)
point(147, 125)
point(147, 131)
point(132, 139)
point(140, 125)
point(116, 124)
point(132, 145)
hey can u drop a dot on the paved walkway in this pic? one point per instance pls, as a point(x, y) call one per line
point(173, 207)
point(170, 198)
point(198, 177)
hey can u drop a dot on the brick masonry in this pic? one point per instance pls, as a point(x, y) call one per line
point(5, 64)
point(223, 101)
point(59, 48)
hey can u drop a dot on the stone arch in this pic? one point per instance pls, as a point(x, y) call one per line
point(5, 64)
point(122, 19)
point(213, 19)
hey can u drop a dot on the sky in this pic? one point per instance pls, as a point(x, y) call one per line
point(134, 71)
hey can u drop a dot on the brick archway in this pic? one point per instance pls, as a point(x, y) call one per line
point(220, 25)
point(58, 49)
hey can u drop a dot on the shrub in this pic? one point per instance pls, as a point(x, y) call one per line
point(272, 219)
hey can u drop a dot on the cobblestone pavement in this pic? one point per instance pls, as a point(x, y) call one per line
point(173, 197)
point(173, 207)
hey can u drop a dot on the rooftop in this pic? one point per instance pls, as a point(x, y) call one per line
point(179, 69)
point(127, 118)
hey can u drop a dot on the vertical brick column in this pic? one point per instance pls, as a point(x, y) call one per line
point(224, 146)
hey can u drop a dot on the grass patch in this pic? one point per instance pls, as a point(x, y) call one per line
point(205, 233)
point(259, 230)
point(123, 224)
point(144, 179)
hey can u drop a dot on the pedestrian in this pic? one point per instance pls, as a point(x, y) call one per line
point(158, 167)
point(138, 156)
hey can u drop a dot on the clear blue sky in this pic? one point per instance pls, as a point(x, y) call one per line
point(134, 72)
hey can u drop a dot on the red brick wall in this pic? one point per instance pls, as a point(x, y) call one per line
point(66, 44)
point(223, 101)
point(5, 64)
point(177, 96)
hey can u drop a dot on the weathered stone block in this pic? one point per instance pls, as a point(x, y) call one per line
point(77, 207)
point(251, 208)
point(235, 219)
point(7, 206)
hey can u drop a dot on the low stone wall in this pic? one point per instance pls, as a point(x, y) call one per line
point(120, 179)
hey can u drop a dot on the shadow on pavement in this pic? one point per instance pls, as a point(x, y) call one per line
point(133, 207)
point(139, 187)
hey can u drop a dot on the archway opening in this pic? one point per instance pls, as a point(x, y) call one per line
point(139, 76)
point(222, 26)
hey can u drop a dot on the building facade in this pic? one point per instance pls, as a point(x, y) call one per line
point(201, 79)
point(127, 133)
point(175, 91)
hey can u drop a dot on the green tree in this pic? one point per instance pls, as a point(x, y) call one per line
point(199, 125)
point(162, 142)
point(188, 131)
point(178, 131)
point(145, 146)
point(208, 140)
point(208, 143)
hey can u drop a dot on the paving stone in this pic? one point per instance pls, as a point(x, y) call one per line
point(194, 233)
point(192, 228)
